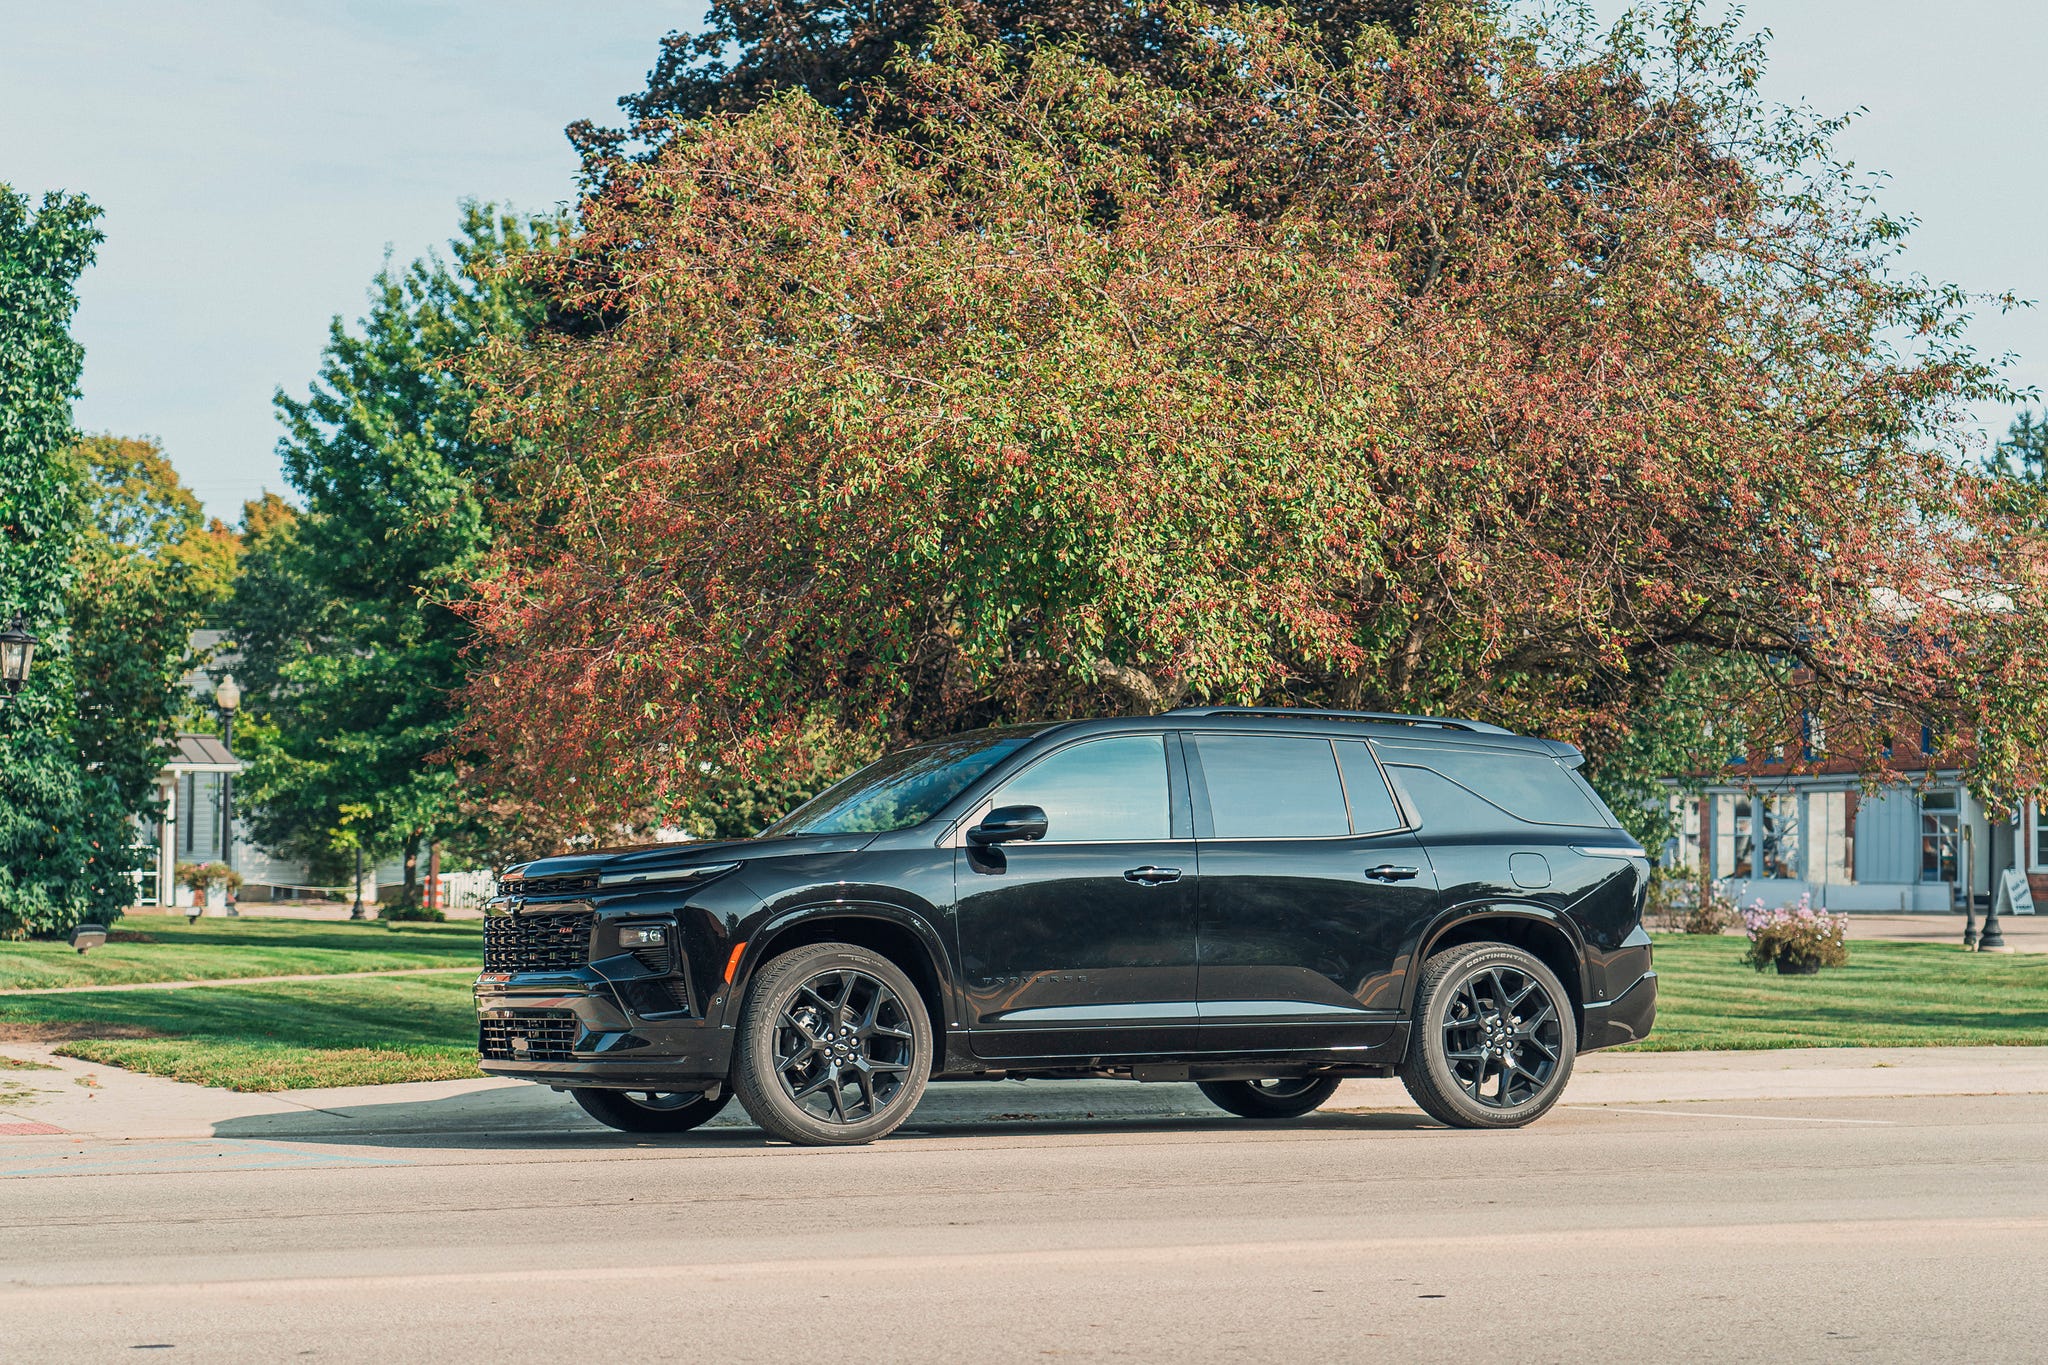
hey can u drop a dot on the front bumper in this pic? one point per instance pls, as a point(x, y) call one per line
point(573, 1029)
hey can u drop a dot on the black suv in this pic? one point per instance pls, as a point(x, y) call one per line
point(1261, 901)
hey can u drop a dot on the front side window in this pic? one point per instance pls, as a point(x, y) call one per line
point(1272, 787)
point(903, 789)
point(1100, 791)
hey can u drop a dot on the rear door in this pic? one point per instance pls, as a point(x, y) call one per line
point(1082, 944)
point(1311, 883)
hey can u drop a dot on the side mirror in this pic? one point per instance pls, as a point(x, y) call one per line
point(1008, 824)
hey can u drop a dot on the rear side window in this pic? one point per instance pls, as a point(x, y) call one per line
point(1534, 788)
point(1271, 787)
point(1372, 805)
point(1106, 790)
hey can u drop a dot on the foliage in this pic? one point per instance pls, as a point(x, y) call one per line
point(1676, 905)
point(350, 656)
point(149, 570)
point(64, 854)
point(1500, 372)
point(408, 913)
point(839, 54)
point(1795, 938)
point(204, 877)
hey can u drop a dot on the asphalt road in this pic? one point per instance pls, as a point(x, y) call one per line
point(1009, 1226)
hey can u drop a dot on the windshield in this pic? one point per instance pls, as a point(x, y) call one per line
point(903, 789)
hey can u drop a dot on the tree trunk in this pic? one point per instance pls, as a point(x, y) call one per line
point(409, 896)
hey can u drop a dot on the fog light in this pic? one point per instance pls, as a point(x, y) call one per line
point(645, 936)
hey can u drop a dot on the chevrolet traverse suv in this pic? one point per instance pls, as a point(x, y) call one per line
point(1260, 901)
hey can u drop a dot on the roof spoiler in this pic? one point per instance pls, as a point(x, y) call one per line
point(1567, 754)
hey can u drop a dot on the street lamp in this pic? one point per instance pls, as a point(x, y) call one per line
point(227, 697)
point(17, 652)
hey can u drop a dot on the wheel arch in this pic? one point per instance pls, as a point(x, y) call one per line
point(1538, 930)
point(884, 929)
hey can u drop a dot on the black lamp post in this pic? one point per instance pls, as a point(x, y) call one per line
point(17, 652)
point(228, 698)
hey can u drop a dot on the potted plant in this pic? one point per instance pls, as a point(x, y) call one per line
point(209, 883)
point(1797, 939)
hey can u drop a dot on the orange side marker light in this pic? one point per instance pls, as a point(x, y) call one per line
point(732, 964)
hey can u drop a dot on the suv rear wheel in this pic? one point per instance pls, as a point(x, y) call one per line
point(1285, 1098)
point(651, 1111)
point(1494, 1038)
point(834, 1046)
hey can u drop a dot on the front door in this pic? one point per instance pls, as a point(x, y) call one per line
point(1082, 944)
point(1311, 887)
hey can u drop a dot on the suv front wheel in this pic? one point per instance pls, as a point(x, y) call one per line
point(1493, 1038)
point(834, 1046)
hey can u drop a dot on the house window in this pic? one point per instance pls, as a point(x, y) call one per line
point(1777, 836)
point(2041, 834)
point(1939, 819)
point(1744, 863)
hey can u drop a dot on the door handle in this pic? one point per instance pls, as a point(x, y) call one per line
point(1387, 872)
point(1152, 876)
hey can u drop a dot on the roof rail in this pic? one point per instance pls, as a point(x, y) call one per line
point(1384, 717)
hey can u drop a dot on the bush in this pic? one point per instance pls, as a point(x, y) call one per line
point(203, 877)
point(1799, 939)
point(399, 913)
point(1677, 907)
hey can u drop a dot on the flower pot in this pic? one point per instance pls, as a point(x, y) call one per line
point(1788, 967)
point(217, 898)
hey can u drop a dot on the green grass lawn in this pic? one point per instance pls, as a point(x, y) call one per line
point(1890, 995)
point(282, 1036)
point(170, 949)
point(293, 1035)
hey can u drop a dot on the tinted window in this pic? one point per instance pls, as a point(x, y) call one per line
point(903, 789)
point(1105, 789)
point(1372, 805)
point(1269, 787)
point(1442, 805)
point(1531, 787)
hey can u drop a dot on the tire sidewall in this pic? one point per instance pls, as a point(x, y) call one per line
point(1244, 1099)
point(754, 1074)
point(1427, 1048)
point(614, 1110)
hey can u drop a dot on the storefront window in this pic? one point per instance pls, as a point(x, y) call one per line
point(1938, 824)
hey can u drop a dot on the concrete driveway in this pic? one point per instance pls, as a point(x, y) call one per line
point(1868, 1204)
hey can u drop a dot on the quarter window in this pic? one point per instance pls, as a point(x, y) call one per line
point(1104, 790)
point(1272, 787)
point(1531, 787)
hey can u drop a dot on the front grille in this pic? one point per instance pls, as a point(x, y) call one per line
point(535, 1036)
point(547, 886)
point(537, 943)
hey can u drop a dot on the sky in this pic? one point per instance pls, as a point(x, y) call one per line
point(256, 161)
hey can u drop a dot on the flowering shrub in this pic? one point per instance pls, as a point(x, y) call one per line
point(1677, 907)
point(1798, 938)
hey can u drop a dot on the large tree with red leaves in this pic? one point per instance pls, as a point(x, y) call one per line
point(1494, 371)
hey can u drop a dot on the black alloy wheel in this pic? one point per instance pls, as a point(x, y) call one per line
point(1286, 1097)
point(1493, 1039)
point(834, 1047)
point(651, 1111)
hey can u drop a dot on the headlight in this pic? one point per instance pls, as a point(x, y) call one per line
point(643, 936)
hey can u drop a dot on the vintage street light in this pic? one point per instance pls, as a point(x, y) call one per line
point(17, 652)
point(228, 698)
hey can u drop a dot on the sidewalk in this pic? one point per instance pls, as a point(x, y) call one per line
point(2022, 933)
point(80, 1099)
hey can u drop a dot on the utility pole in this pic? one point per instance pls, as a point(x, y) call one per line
point(228, 698)
point(357, 912)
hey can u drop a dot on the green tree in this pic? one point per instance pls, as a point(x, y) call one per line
point(1501, 370)
point(350, 655)
point(149, 569)
point(64, 833)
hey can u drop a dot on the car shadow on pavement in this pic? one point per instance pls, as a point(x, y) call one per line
point(458, 1123)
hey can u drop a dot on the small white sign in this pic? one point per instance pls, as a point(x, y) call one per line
point(2015, 896)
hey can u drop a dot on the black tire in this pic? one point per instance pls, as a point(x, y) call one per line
point(650, 1111)
point(1286, 1098)
point(1481, 1005)
point(834, 1047)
